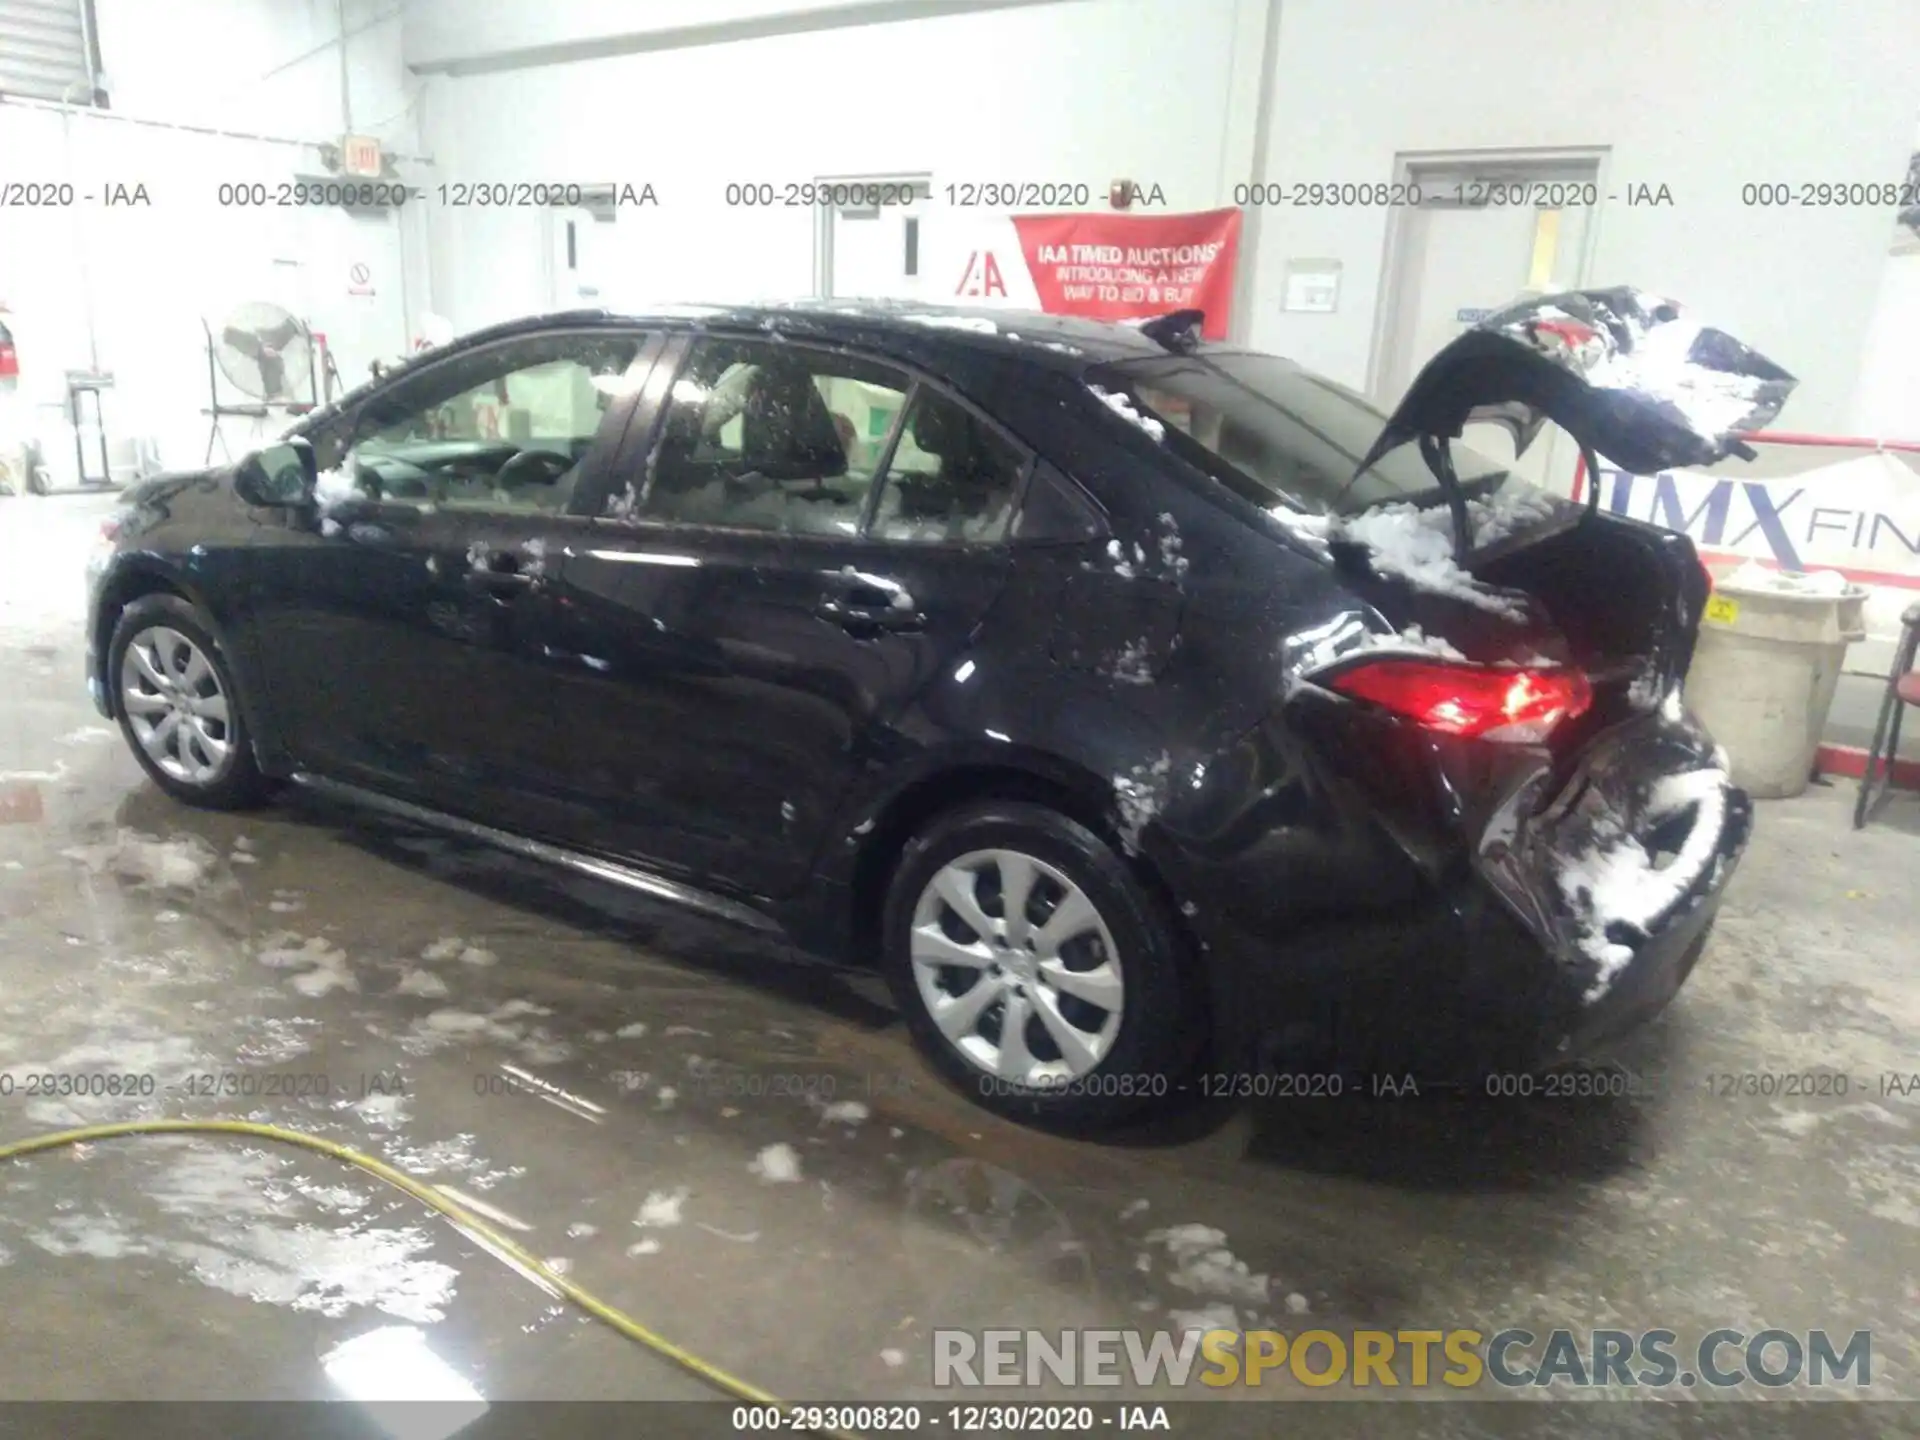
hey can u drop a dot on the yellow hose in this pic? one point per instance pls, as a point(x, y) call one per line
point(477, 1228)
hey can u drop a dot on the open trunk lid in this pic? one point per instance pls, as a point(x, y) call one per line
point(1503, 572)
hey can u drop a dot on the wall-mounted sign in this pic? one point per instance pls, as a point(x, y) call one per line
point(1128, 267)
point(360, 156)
point(1313, 287)
point(1806, 503)
point(1089, 263)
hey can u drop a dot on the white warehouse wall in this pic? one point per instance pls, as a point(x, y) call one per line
point(124, 287)
point(1702, 97)
point(1886, 402)
point(1159, 91)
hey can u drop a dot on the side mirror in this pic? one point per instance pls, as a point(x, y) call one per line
point(281, 474)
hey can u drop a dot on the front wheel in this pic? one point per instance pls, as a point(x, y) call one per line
point(178, 706)
point(1035, 970)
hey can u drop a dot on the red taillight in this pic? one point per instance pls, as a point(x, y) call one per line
point(1468, 700)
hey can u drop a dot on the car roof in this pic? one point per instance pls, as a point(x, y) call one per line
point(912, 331)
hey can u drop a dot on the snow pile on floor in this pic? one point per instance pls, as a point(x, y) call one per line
point(661, 1209)
point(844, 1112)
point(1615, 881)
point(221, 1182)
point(1123, 406)
point(323, 1270)
point(514, 1009)
point(423, 983)
point(185, 862)
point(1202, 1264)
point(328, 1271)
point(503, 1025)
point(323, 966)
point(777, 1164)
point(1754, 576)
point(453, 947)
point(1217, 1316)
point(324, 978)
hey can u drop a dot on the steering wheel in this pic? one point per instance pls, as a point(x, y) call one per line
point(550, 464)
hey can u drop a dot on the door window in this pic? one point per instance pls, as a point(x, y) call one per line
point(502, 430)
point(769, 436)
point(952, 479)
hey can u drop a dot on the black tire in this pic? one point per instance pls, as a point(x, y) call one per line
point(236, 782)
point(1160, 1034)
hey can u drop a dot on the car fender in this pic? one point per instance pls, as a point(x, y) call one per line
point(133, 574)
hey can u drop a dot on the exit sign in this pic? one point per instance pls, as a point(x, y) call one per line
point(360, 155)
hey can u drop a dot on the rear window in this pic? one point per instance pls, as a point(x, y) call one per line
point(1275, 432)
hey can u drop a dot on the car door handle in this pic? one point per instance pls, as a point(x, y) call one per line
point(857, 618)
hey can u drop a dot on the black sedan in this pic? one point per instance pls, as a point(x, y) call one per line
point(1153, 713)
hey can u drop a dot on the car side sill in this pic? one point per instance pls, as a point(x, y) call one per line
point(632, 877)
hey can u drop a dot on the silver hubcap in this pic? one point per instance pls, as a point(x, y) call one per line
point(175, 706)
point(1017, 968)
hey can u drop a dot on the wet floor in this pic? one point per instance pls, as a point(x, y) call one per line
point(743, 1151)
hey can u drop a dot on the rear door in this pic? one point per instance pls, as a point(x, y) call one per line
point(806, 537)
point(403, 628)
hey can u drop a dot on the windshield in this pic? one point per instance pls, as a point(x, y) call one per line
point(1276, 433)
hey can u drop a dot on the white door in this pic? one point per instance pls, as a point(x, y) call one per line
point(875, 248)
point(352, 291)
point(579, 246)
point(1481, 236)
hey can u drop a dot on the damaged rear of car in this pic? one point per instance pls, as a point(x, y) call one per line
point(1487, 706)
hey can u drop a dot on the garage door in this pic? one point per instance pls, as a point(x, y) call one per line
point(45, 50)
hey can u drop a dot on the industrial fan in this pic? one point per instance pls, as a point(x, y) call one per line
point(267, 355)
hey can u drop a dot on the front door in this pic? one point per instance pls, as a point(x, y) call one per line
point(810, 538)
point(403, 627)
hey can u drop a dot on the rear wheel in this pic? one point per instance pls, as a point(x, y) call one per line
point(178, 705)
point(1036, 971)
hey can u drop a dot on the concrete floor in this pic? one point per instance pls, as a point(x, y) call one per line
point(422, 979)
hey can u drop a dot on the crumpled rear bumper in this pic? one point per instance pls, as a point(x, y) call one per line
point(1495, 964)
point(1619, 875)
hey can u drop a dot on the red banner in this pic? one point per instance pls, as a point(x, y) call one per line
point(1129, 267)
